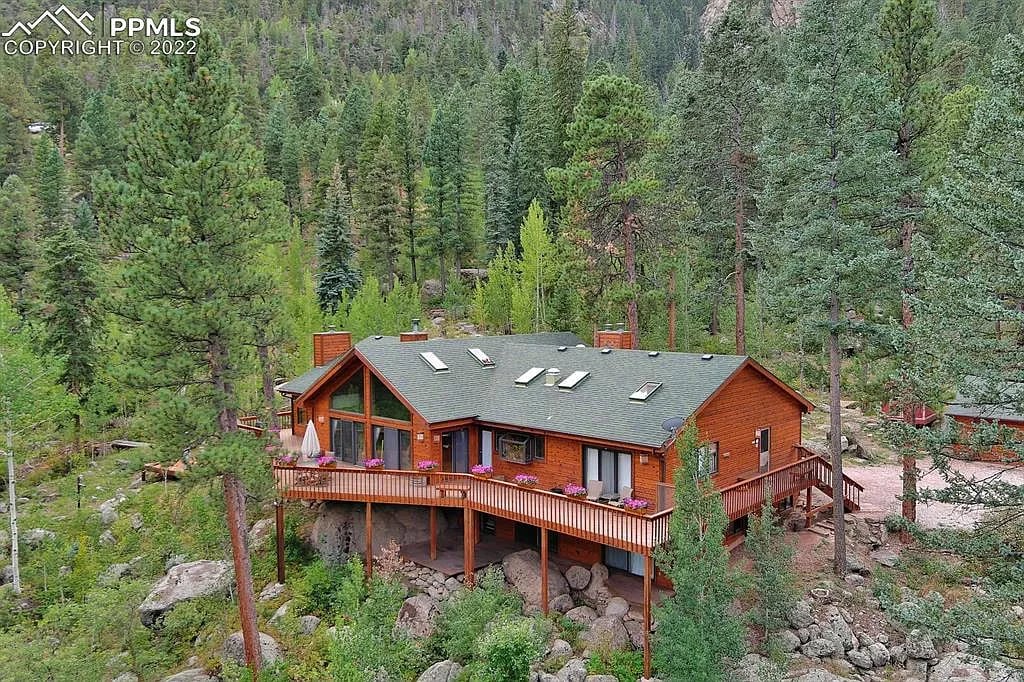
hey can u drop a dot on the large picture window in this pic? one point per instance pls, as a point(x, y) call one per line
point(349, 398)
point(520, 448)
point(347, 441)
point(393, 446)
point(385, 404)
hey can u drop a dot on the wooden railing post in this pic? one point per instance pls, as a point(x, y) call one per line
point(544, 570)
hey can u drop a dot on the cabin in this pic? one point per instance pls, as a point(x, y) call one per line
point(976, 404)
point(561, 414)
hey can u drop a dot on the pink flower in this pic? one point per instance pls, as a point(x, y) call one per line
point(635, 503)
point(427, 465)
point(325, 460)
point(525, 479)
point(482, 469)
point(373, 463)
point(574, 490)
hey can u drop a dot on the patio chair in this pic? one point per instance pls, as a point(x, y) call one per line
point(624, 492)
point(594, 490)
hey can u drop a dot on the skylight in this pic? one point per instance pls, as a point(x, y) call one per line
point(573, 380)
point(644, 392)
point(483, 358)
point(435, 362)
point(529, 375)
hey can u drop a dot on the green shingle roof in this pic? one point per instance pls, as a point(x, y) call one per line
point(988, 400)
point(599, 407)
point(301, 384)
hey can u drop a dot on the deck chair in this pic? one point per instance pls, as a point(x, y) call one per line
point(624, 492)
point(594, 490)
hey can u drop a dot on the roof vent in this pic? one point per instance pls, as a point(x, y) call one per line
point(606, 351)
point(581, 345)
point(644, 392)
point(573, 380)
point(551, 378)
point(529, 375)
point(654, 354)
point(562, 349)
point(415, 324)
point(483, 358)
point(706, 356)
point(434, 362)
point(377, 337)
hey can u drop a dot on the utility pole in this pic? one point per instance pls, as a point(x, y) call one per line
point(16, 579)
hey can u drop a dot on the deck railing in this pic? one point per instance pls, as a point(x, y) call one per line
point(583, 519)
point(580, 518)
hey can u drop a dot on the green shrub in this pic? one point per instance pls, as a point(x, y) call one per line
point(465, 616)
point(329, 590)
point(509, 647)
point(626, 666)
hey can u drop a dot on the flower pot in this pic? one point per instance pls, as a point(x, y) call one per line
point(290, 465)
point(638, 512)
point(527, 485)
point(483, 476)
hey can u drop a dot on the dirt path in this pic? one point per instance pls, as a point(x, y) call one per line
point(882, 484)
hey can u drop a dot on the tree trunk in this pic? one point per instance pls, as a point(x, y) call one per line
point(234, 498)
point(629, 237)
point(672, 308)
point(713, 326)
point(909, 503)
point(267, 372)
point(836, 435)
point(739, 279)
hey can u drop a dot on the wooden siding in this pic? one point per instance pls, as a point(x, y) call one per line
point(996, 453)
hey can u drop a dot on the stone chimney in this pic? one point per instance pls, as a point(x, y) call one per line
point(413, 334)
point(619, 337)
point(329, 345)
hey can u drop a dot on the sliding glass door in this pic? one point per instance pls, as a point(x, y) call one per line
point(393, 446)
point(613, 469)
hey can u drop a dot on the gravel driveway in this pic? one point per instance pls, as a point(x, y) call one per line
point(882, 484)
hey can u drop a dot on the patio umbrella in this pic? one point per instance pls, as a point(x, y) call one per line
point(310, 442)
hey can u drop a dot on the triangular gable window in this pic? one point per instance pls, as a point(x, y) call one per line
point(385, 403)
point(349, 398)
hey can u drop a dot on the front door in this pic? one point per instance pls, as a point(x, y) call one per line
point(764, 446)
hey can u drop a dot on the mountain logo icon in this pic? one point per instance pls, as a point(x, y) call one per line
point(62, 18)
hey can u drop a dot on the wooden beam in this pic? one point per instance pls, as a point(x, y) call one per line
point(544, 570)
point(433, 533)
point(648, 578)
point(369, 539)
point(468, 545)
point(279, 518)
point(807, 510)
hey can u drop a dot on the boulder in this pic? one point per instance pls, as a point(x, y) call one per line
point(37, 536)
point(920, 646)
point(260, 532)
point(560, 649)
point(271, 591)
point(636, 633)
point(7, 575)
point(108, 509)
point(879, 654)
point(113, 574)
point(601, 678)
point(280, 613)
point(959, 667)
point(860, 658)
point(233, 649)
point(597, 595)
point(578, 577)
point(183, 582)
point(819, 648)
point(617, 606)
point(442, 671)
point(417, 615)
point(522, 571)
point(431, 290)
point(885, 556)
point(835, 621)
point(786, 640)
point(174, 560)
point(819, 675)
point(107, 538)
point(752, 668)
point(126, 677)
point(191, 675)
point(584, 615)
point(308, 624)
point(561, 604)
point(606, 633)
point(575, 670)
point(800, 615)
point(340, 528)
point(137, 521)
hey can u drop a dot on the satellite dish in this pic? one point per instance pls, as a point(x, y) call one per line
point(672, 424)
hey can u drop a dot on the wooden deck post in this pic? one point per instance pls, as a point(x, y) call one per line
point(648, 578)
point(468, 545)
point(807, 509)
point(279, 522)
point(433, 533)
point(369, 539)
point(544, 570)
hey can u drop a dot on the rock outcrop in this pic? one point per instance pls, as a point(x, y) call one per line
point(233, 649)
point(184, 582)
point(522, 571)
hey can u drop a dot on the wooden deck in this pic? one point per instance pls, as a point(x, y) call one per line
point(594, 521)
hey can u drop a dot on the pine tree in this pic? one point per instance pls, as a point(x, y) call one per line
point(351, 124)
point(697, 633)
point(380, 213)
point(61, 93)
point(774, 584)
point(69, 289)
point(99, 144)
point(336, 274)
point(17, 254)
point(737, 64)
point(280, 120)
point(51, 187)
point(830, 184)
point(567, 47)
point(911, 62)
point(452, 190)
point(408, 153)
point(604, 179)
point(190, 290)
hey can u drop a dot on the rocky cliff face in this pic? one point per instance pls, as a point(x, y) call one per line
point(784, 12)
point(340, 527)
